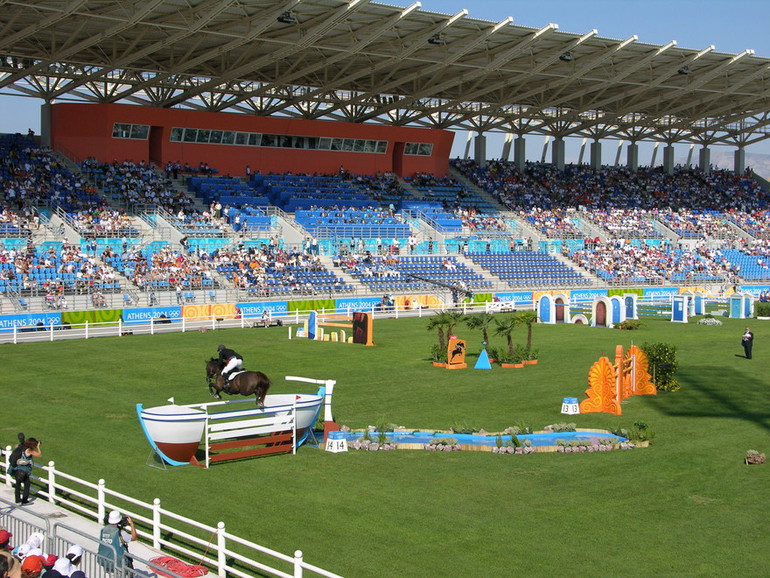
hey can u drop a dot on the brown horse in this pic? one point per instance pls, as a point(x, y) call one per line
point(245, 383)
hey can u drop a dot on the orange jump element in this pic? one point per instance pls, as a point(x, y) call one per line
point(609, 384)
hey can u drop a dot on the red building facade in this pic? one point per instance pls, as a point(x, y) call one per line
point(229, 142)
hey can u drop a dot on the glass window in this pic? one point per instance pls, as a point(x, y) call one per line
point(358, 145)
point(140, 131)
point(228, 137)
point(382, 146)
point(347, 144)
point(311, 142)
point(369, 146)
point(426, 149)
point(336, 144)
point(176, 134)
point(215, 136)
point(190, 134)
point(203, 135)
point(324, 143)
point(120, 130)
point(241, 138)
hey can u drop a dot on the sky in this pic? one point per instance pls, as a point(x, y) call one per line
point(731, 26)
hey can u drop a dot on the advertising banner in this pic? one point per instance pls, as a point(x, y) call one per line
point(29, 321)
point(144, 314)
point(515, 297)
point(255, 308)
point(586, 295)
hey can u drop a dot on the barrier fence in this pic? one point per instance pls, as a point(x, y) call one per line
point(225, 554)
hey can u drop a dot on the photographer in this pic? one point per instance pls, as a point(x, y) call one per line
point(21, 466)
point(114, 538)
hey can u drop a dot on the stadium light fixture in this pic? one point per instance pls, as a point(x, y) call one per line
point(287, 18)
point(567, 57)
point(437, 39)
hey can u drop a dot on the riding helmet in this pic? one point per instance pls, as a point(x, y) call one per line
point(220, 348)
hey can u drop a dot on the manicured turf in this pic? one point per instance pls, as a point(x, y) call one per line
point(685, 506)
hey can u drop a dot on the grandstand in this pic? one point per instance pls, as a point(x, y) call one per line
point(361, 208)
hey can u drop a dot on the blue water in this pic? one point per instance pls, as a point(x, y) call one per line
point(538, 439)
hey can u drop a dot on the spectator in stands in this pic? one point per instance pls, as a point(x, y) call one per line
point(67, 565)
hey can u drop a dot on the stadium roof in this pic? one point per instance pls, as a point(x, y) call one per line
point(360, 61)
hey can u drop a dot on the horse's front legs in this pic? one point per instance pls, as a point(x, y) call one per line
point(213, 390)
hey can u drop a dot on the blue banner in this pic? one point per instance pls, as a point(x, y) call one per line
point(144, 314)
point(586, 294)
point(255, 308)
point(358, 304)
point(755, 290)
point(29, 320)
point(660, 292)
point(515, 297)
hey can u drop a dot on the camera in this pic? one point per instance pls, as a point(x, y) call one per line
point(123, 523)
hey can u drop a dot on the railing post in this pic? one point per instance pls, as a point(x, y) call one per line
point(156, 523)
point(52, 482)
point(213, 321)
point(184, 323)
point(298, 564)
point(221, 546)
point(152, 326)
point(6, 462)
point(100, 505)
point(120, 327)
point(51, 330)
point(15, 327)
point(86, 329)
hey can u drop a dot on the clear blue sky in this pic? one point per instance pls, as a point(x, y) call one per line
point(731, 26)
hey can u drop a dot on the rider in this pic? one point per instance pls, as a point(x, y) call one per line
point(230, 362)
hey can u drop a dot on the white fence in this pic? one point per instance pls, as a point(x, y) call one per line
point(225, 553)
point(90, 330)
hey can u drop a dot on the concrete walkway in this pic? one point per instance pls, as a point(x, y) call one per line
point(71, 527)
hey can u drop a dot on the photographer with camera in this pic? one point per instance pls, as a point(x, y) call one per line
point(21, 466)
point(114, 539)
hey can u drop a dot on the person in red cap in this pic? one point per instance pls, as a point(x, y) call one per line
point(31, 567)
point(5, 539)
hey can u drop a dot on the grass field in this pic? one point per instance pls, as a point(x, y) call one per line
point(685, 506)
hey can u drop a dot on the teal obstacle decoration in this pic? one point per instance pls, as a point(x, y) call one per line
point(483, 361)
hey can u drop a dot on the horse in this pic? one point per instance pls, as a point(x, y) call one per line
point(245, 383)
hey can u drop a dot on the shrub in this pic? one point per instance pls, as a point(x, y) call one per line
point(663, 365)
point(438, 353)
point(629, 325)
point(762, 309)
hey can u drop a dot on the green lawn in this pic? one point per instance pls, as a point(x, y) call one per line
point(685, 506)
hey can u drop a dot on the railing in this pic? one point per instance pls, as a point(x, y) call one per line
point(89, 330)
point(229, 554)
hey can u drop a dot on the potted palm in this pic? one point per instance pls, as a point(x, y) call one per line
point(505, 327)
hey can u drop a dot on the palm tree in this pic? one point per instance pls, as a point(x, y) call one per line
point(505, 328)
point(454, 318)
point(527, 318)
point(480, 321)
point(439, 321)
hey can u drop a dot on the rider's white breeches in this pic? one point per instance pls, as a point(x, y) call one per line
point(233, 364)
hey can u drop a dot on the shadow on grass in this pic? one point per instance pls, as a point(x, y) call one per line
point(720, 391)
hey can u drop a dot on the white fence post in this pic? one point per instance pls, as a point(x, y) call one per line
point(52, 482)
point(6, 460)
point(152, 326)
point(15, 334)
point(298, 564)
point(184, 323)
point(100, 509)
point(120, 327)
point(51, 330)
point(221, 553)
point(156, 523)
point(86, 329)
